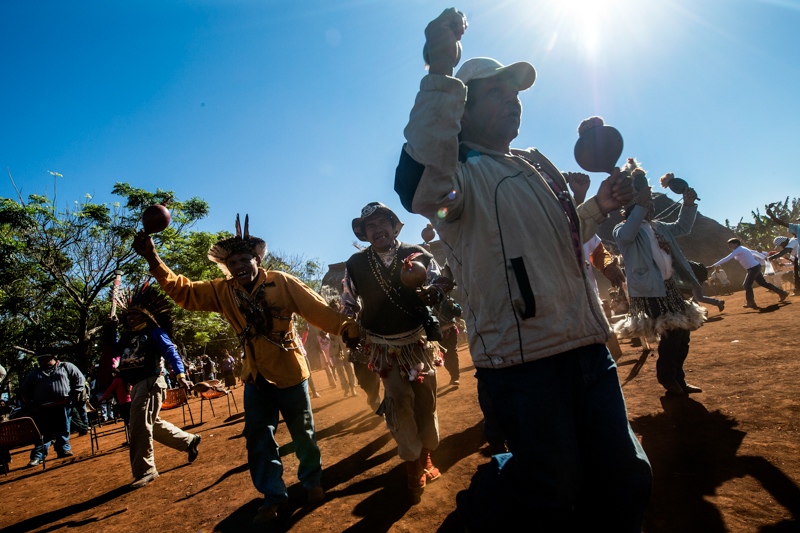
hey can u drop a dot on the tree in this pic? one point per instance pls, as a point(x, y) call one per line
point(57, 266)
point(763, 230)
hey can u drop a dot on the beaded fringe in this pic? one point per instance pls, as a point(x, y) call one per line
point(416, 358)
point(676, 313)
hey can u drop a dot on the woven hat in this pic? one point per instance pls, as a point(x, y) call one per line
point(369, 210)
point(241, 243)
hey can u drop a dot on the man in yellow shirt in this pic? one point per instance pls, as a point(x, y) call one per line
point(259, 305)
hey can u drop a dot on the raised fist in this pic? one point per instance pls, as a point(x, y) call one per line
point(442, 49)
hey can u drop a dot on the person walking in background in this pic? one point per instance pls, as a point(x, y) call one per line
point(227, 365)
point(121, 391)
point(751, 261)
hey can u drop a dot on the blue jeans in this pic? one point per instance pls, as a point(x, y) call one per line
point(53, 424)
point(574, 462)
point(263, 401)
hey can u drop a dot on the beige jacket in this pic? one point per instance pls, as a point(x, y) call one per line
point(506, 235)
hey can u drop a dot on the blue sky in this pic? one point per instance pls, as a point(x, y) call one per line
point(293, 111)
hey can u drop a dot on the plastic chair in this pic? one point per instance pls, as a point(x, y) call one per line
point(175, 398)
point(16, 434)
point(212, 394)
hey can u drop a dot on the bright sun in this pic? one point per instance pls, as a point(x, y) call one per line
point(585, 20)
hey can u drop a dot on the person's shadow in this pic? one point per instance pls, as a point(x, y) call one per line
point(692, 452)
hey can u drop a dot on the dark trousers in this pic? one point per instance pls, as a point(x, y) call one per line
point(754, 275)
point(673, 348)
point(575, 464)
point(369, 381)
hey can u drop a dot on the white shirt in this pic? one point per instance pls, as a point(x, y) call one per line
point(589, 247)
point(746, 257)
point(662, 258)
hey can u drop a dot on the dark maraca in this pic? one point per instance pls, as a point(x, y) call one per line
point(156, 218)
point(599, 146)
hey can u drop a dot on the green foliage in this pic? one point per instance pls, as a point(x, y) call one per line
point(763, 229)
point(56, 266)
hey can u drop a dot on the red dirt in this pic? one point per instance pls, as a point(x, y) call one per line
point(724, 460)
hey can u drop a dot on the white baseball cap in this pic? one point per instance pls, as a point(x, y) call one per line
point(485, 67)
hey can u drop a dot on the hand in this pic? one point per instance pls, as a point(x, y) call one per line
point(689, 196)
point(444, 283)
point(615, 191)
point(579, 185)
point(429, 295)
point(644, 196)
point(614, 275)
point(143, 245)
point(442, 49)
point(185, 383)
point(351, 335)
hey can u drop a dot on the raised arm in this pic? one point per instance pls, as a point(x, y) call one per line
point(425, 178)
point(775, 219)
point(685, 222)
point(312, 307)
point(190, 295)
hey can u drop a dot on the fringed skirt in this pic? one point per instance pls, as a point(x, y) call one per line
point(649, 317)
point(415, 356)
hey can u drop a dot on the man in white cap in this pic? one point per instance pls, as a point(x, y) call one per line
point(787, 245)
point(513, 237)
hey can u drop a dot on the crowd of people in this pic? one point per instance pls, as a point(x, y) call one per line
point(565, 456)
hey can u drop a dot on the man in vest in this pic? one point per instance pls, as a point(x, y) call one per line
point(401, 336)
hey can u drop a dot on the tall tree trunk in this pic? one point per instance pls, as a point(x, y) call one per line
point(82, 348)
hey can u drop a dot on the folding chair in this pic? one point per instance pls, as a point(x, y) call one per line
point(16, 434)
point(212, 394)
point(96, 428)
point(177, 398)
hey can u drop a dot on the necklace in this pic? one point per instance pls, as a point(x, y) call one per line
point(259, 320)
point(387, 288)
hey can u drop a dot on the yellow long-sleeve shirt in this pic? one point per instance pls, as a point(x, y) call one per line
point(284, 368)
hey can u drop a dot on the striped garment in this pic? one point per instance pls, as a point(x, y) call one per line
point(53, 384)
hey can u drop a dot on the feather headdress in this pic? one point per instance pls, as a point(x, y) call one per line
point(148, 300)
point(241, 243)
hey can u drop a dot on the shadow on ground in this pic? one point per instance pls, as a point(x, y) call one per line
point(693, 452)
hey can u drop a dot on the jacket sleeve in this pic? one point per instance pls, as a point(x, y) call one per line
point(426, 176)
point(168, 350)
point(683, 226)
point(627, 232)
point(314, 310)
point(76, 380)
point(601, 258)
point(591, 217)
point(190, 295)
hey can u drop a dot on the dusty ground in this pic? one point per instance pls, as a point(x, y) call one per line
point(724, 460)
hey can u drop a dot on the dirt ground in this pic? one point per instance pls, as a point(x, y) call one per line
point(724, 460)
